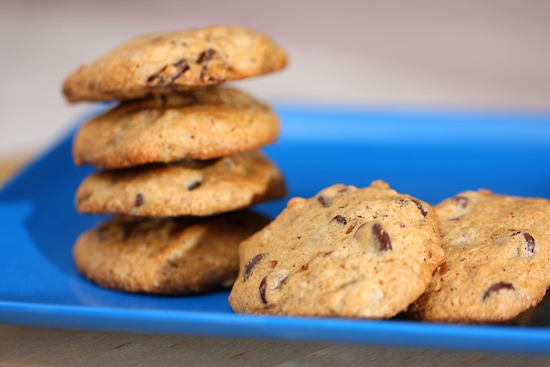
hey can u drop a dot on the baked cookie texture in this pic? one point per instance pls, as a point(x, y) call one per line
point(162, 63)
point(497, 259)
point(202, 124)
point(363, 253)
point(172, 256)
point(183, 188)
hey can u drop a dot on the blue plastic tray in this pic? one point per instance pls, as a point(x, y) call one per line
point(431, 155)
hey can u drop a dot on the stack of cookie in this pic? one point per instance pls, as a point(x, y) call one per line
point(178, 159)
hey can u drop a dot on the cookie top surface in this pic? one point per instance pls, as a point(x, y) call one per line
point(349, 252)
point(203, 124)
point(497, 259)
point(183, 188)
point(165, 256)
point(161, 63)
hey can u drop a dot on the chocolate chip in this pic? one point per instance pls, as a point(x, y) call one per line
point(206, 56)
point(139, 201)
point(530, 242)
point(250, 265)
point(167, 75)
point(382, 237)
point(193, 185)
point(420, 207)
point(262, 290)
point(497, 287)
point(273, 263)
point(325, 202)
point(340, 219)
point(460, 201)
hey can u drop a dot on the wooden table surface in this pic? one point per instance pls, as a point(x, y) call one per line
point(25, 346)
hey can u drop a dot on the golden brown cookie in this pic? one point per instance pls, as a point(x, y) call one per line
point(363, 253)
point(497, 259)
point(183, 188)
point(165, 256)
point(161, 63)
point(203, 124)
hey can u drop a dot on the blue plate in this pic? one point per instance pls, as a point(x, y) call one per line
point(431, 155)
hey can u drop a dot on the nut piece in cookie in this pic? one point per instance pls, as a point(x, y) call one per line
point(162, 63)
point(496, 264)
point(183, 188)
point(349, 252)
point(202, 124)
point(165, 256)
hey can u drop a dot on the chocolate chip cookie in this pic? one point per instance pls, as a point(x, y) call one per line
point(362, 253)
point(175, 256)
point(183, 188)
point(162, 63)
point(203, 124)
point(497, 259)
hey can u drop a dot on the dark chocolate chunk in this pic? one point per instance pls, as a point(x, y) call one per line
point(382, 237)
point(139, 201)
point(343, 190)
point(206, 56)
point(340, 219)
point(460, 201)
point(193, 185)
point(262, 291)
point(167, 75)
point(497, 287)
point(250, 265)
point(420, 207)
point(530, 242)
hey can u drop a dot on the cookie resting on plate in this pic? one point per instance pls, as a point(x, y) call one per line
point(162, 63)
point(203, 124)
point(172, 256)
point(349, 252)
point(497, 261)
point(183, 188)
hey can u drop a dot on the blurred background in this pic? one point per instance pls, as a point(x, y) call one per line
point(467, 55)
